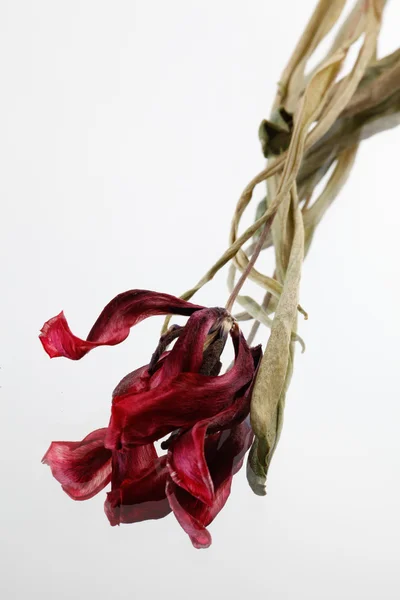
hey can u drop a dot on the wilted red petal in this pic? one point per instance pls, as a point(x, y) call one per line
point(113, 324)
point(183, 401)
point(224, 454)
point(141, 497)
point(83, 468)
point(187, 463)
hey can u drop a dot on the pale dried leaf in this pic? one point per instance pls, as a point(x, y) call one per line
point(291, 83)
point(347, 87)
point(271, 377)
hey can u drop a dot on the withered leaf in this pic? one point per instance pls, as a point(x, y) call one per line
point(272, 378)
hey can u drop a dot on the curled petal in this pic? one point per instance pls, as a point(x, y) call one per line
point(83, 468)
point(181, 402)
point(199, 536)
point(187, 463)
point(224, 454)
point(114, 323)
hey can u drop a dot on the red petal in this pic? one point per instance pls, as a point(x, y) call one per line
point(183, 401)
point(187, 463)
point(140, 498)
point(186, 456)
point(187, 354)
point(113, 324)
point(232, 447)
point(83, 468)
point(224, 455)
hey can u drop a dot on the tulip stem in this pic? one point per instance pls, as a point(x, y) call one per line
point(250, 265)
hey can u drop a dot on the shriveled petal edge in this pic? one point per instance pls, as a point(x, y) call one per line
point(187, 463)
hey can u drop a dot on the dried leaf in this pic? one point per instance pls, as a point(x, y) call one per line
point(347, 87)
point(269, 388)
point(350, 31)
point(314, 97)
point(381, 80)
point(257, 471)
point(291, 83)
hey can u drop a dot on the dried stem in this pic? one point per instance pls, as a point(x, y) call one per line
point(235, 292)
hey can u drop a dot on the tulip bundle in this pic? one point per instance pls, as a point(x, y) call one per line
point(316, 125)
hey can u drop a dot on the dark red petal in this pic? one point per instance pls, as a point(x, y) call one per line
point(113, 324)
point(187, 463)
point(199, 536)
point(188, 398)
point(224, 454)
point(188, 509)
point(140, 498)
point(83, 468)
point(187, 354)
point(232, 447)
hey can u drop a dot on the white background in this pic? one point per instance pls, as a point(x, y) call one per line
point(129, 129)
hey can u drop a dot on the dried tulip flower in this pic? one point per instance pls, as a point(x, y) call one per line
point(179, 394)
